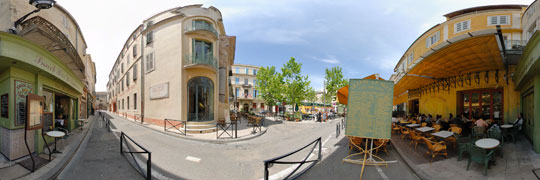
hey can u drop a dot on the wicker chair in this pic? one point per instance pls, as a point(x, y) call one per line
point(436, 148)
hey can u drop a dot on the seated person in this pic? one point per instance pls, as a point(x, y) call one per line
point(519, 121)
point(481, 122)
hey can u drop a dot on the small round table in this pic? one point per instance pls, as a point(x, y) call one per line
point(55, 135)
point(506, 126)
point(487, 143)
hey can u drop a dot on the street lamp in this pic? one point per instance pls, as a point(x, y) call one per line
point(39, 4)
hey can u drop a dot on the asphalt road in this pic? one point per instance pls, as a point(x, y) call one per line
point(178, 158)
point(99, 158)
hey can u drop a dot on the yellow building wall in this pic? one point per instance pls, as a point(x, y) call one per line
point(445, 102)
point(478, 22)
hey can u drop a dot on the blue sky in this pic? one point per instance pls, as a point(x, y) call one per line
point(363, 37)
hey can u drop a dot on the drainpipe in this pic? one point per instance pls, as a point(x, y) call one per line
point(142, 74)
point(503, 50)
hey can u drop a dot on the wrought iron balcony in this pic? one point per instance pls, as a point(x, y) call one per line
point(202, 27)
point(210, 60)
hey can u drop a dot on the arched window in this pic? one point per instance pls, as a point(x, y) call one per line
point(200, 99)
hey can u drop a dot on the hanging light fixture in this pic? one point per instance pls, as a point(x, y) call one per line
point(39, 4)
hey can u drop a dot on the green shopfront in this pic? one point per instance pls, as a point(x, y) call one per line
point(527, 80)
point(27, 68)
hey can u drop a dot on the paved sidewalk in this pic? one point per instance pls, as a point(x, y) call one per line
point(99, 158)
point(519, 162)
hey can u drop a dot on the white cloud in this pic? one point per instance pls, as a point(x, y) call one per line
point(330, 60)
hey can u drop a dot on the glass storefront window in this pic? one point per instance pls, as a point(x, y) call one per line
point(487, 103)
point(200, 99)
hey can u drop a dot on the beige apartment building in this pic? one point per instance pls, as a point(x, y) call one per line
point(174, 66)
point(244, 87)
point(43, 54)
point(101, 101)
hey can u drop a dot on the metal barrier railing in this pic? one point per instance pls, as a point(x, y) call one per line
point(175, 125)
point(270, 162)
point(233, 126)
point(123, 138)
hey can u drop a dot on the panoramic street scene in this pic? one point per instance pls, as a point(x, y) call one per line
point(259, 90)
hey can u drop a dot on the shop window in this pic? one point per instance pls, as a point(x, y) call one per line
point(482, 104)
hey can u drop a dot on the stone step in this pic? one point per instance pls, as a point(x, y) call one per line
point(200, 126)
point(200, 131)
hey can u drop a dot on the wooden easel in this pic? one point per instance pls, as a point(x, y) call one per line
point(368, 156)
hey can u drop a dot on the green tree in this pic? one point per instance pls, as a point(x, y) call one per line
point(311, 95)
point(334, 80)
point(269, 84)
point(296, 85)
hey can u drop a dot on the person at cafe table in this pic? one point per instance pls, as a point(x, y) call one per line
point(481, 122)
point(519, 121)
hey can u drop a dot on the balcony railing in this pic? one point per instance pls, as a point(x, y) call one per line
point(515, 44)
point(208, 60)
point(202, 26)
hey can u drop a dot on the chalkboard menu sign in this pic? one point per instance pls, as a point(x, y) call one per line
point(4, 106)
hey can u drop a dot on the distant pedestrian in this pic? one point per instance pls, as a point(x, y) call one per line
point(320, 116)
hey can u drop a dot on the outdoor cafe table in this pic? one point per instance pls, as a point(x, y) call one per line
point(443, 134)
point(487, 143)
point(56, 135)
point(412, 125)
point(506, 126)
point(425, 129)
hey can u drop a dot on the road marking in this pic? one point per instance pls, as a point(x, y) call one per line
point(381, 172)
point(194, 159)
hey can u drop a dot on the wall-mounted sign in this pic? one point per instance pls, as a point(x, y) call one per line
point(159, 91)
point(22, 89)
point(4, 106)
point(34, 112)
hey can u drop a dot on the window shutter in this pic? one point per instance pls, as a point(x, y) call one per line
point(149, 37)
point(437, 36)
point(458, 27)
point(503, 20)
point(428, 41)
point(492, 20)
point(135, 72)
point(465, 25)
point(135, 50)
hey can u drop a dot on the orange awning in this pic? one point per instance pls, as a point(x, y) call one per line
point(474, 54)
point(343, 93)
